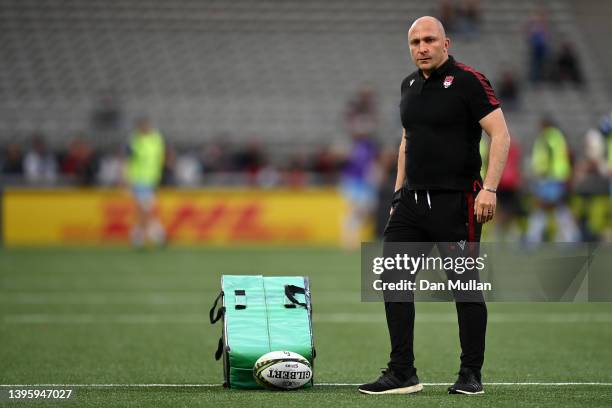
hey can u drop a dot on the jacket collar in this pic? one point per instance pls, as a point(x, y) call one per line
point(442, 69)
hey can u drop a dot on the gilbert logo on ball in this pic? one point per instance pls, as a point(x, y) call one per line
point(282, 370)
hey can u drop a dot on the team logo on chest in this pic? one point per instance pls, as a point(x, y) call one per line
point(448, 81)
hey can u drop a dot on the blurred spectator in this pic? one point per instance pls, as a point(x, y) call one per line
point(144, 171)
point(110, 171)
point(359, 188)
point(12, 162)
point(538, 43)
point(215, 156)
point(551, 167)
point(361, 115)
point(469, 16)
point(268, 176)
point(510, 208)
point(295, 176)
point(567, 65)
point(40, 165)
point(508, 90)
point(592, 165)
point(187, 170)
point(387, 166)
point(250, 160)
point(447, 15)
point(605, 127)
point(591, 186)
point(325, 165)
point(78, 164)
point(357, 181)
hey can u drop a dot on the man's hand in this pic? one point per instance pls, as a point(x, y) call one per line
point(484, 206)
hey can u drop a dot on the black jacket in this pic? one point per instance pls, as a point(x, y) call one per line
point(441, 116)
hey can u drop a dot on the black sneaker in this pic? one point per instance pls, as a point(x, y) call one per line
point(389, 383)
point(468, 383)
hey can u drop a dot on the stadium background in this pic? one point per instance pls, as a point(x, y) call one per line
point(259, 103)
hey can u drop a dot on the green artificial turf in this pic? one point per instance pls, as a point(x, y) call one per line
point(119, 316)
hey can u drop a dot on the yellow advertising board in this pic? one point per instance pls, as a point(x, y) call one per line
point(215, 216)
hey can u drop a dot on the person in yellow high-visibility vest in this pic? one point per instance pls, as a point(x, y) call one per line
point(605, 127)
point(610, 155)
point(551, 167)
point(143, 172)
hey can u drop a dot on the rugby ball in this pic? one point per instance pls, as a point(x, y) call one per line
point(282, 370)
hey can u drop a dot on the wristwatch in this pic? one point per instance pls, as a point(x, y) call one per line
point(492, 190)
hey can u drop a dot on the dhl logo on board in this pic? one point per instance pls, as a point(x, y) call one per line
point(55, 217)
point(204, 223)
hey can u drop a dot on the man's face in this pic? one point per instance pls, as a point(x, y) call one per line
point(428, 46)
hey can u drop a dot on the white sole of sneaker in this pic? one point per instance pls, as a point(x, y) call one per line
point(405, 390)
point(469, 393)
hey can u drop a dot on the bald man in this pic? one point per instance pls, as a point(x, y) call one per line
point(440, 196)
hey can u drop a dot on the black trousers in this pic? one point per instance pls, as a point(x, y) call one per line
point(430, 217)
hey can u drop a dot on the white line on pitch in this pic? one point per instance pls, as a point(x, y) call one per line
point(153, 385)
point(556, 384)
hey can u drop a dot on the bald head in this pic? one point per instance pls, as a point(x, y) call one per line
point(428, 44)
point(430, 22)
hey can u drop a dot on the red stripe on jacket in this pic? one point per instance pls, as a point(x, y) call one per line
point(470, 213)
point(483, 81)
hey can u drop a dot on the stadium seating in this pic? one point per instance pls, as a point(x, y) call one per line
point(278, 70)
